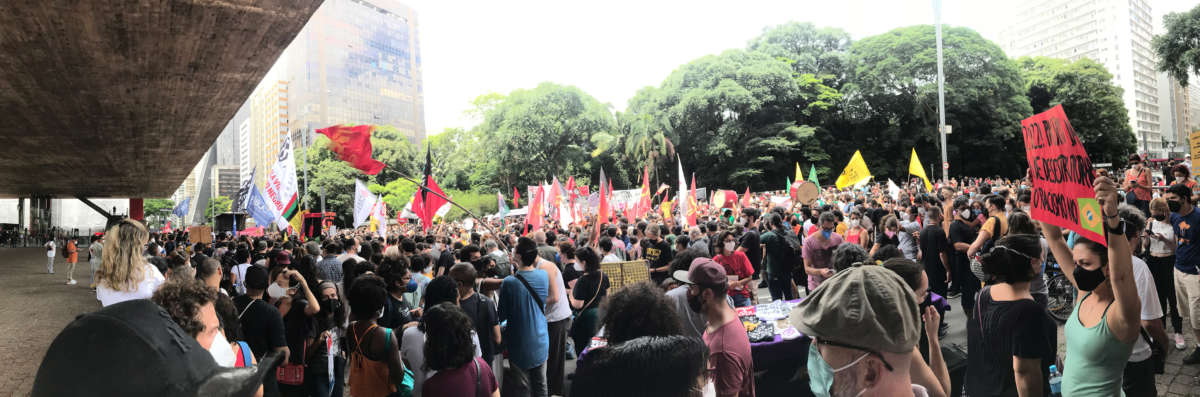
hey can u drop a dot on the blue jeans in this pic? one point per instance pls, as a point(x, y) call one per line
point(740, 300)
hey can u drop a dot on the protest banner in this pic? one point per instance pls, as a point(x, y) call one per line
point(1194, 140)
point(1062, 175)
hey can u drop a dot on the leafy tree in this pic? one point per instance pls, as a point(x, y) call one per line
point(533, 135)
point(1179, 49)
point(809, 49)
point(892, 104)
point(1090, 100)
point(158, 208)
point(218, 205)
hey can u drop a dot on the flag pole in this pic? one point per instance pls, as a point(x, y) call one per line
point(426, 189)
point(305, 133)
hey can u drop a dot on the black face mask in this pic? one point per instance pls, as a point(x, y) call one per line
point(1160, 218)
point(1088, 280)
point(1173, 205)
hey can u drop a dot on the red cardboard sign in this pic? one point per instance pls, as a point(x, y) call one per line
point(1062, 175)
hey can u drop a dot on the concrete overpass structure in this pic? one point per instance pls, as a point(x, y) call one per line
point(112, 98)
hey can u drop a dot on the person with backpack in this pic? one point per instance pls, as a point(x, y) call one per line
point(522, 297)
point(779, 258)
point(995, 227)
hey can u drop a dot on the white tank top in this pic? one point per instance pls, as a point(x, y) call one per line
point(560, 310)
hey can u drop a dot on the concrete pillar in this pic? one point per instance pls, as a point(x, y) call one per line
point(136, 210)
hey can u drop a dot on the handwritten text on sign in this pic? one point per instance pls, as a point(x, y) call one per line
point(1062, 175)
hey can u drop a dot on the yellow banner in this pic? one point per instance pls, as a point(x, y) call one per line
point(854, 172)
point(914, 168)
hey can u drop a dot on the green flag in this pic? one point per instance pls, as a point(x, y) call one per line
point(788, 188)
point(812, 175)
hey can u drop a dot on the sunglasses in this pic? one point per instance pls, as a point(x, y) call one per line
point(847, 346)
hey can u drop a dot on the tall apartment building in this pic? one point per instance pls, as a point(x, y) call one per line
point(1115, 33)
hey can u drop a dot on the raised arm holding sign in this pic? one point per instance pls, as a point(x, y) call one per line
point(1061, 174)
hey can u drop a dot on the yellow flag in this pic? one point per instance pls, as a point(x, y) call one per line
point(855, 172)
point(297, 221)
point(799, 175)
point(666, 209)
point(914, 168)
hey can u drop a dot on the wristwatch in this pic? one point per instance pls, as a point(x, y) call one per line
point(1118, 230)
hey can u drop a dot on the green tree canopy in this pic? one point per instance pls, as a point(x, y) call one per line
point(1090, 100)
point(893, 105)
point(532, 135)
point(1178, 50)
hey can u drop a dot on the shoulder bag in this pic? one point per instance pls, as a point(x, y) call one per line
point(532, 293)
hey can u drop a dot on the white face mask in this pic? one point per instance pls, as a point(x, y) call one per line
point(965, 214)
point(905, 217)
point(221, 351)
point(275, 291)
point(853, 223)
point(577, 266)
point(729, 245)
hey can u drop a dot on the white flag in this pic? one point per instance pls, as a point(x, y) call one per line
point(364, 202)
point(683, 192)
point(281, 188)
point(893, 190)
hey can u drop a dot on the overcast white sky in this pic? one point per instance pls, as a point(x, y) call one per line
point(610, 49)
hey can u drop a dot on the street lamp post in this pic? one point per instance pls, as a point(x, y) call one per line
point(941, 79)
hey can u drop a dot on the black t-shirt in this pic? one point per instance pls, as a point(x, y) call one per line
point(445, 261)
point(753, 247)
point(960, 232)
point(585, 289)
point(396, 313)
point(262, 327)
point(1020, 328)
point(483, 316)
point(298, 328)
point(656, 253)
point(934, 242)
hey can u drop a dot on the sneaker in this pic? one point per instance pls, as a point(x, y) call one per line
point(1180, 344)
point(71, 282)
point(1193, 358)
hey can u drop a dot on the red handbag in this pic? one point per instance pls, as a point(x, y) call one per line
point(292, 374)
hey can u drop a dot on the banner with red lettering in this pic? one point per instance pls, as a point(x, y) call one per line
point(1062, 175)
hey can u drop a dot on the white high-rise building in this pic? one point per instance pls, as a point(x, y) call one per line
point(1115, 33)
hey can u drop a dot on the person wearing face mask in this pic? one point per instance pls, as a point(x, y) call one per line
point(1185, 221)
point(1137, 184)
point(993, 229)
point(737, 267)
point(729, 359)
point(657, 254)
point(262, 326)
point(910, 228)
point(856, 233)
point(1011, 337)
point(867, 353)
point(586, 297)
point(326, 362)
point(818, 251)
point(889, 233)
point(1101, 331)
point(1161, 237)
point(962, 234)
point(1183, 177)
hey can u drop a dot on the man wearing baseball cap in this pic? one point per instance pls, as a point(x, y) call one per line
point(729, 361)
point(864, 323)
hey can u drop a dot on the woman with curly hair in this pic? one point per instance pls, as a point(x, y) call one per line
point(124, 273)
point(459, 372)
point(638, 310)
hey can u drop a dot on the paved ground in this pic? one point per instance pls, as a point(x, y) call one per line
point(34, 307)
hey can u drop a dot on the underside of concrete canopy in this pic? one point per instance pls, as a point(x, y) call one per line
point(118, 98)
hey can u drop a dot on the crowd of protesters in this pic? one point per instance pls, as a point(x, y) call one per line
point(502, 309)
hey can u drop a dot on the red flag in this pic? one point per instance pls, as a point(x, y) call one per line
point(353, 145)
point(425, 202)
point(571, 195)
point(602, 210)
point(516, 198)
point(692, 204)
point(643, 205)
point(584, 190)
point(533, 220)
point(746, 198)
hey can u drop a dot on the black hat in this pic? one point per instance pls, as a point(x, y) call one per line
point(134, 349)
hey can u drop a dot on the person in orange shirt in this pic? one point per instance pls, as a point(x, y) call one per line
point(1137, 184)
point(72, 258)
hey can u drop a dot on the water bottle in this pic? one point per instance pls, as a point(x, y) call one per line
point(1055, 381)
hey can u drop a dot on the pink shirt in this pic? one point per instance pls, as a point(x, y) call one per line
point(729, 361)
point(819, 252)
